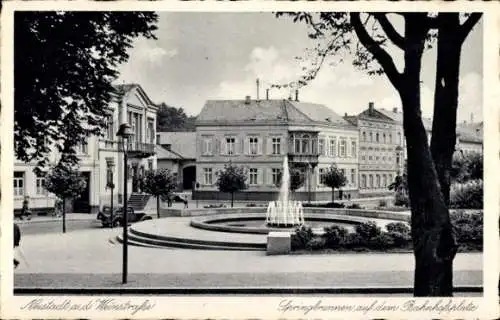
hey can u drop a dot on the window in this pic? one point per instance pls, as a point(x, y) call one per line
point(343, 172)
point(207, 146)
point(109, 134)
point(377, 137)
point(370, 157)
point(399, 138)
point(297, 145)
point(353, 176)
point(276, 145)
point(321, 176)
point(150, 134)
point(321, 146)
point(384, 181)
point(384, 138)
point(40, 185)
point(363, 157)
point(276, 176)
point(253, 145)
point(306, 144)
point(363, 181)
point(377, 157)
point(150, 165)
point(378, 181)
point(364, 136)
point(371, 137)
point(342, 148)
point(371, 181)
point(332, 147)
point(18, 184)
point(390, 137)
point(353, 149)
point(207, 173)
point(253, 176)
point(230, 145)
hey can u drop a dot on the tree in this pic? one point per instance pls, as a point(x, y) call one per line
point(297, 179)
point(159, 183)
point(173, 119)
point(466, 167)
point(231, 180)
point(66, 182)
point(334, 178)
point(64, 66)
point(432, 232)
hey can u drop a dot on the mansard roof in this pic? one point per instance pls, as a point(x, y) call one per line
point(268, 111)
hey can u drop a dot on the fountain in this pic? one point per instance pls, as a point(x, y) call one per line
point(284, 212)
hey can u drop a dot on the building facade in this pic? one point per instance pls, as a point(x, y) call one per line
point(380, 151)
point(259, 134)
point(99, 156)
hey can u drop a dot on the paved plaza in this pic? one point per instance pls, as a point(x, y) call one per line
point(93, 259)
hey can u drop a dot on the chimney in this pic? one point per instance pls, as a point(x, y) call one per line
point(297, 95)
point(395, 110)
point(257, 88)
point(247, 100)
point(267, 94)
point(370, 108)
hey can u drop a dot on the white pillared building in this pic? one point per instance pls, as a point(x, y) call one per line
point(258, 134)
point(132, 106)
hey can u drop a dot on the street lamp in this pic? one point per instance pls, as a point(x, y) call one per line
point(125, 133)
point(110, 163)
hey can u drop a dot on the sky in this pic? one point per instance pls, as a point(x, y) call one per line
point(202, 56)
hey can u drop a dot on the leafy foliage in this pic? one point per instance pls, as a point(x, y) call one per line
point(65, 182)
point(297, 179)
point(334, 178)
point(64, 67)
point(467, 167)
point(335, 236)
point(467, 195)
point(174, 119)
point(232, 179)
point(159, 183)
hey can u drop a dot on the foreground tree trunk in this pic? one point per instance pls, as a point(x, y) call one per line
point(432, 233)
point(446, 99)
point(232, 199)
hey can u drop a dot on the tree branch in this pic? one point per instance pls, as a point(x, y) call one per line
point(467, 26)
point(389, 30)
point(374, 48)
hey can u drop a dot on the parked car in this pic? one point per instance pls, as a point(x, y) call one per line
point(105, 216)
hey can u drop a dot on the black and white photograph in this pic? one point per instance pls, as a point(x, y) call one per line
point(329, 161)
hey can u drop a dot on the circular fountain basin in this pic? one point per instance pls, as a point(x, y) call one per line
point(256, 222)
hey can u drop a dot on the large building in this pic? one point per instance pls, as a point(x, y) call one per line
point(98, 155)
point(258, 134)
point(380, 151)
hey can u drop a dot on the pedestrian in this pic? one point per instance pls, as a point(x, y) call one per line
point(185, 202)
point(25, 211)
point(17, 240)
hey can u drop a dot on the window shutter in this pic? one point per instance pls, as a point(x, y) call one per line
point(348, 148)
point(260, 176)
point(269, 145)
point(224, 147)
point(259, 145)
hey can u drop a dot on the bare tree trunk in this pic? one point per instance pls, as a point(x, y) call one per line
point(64, 215)
point(446, 98)
point(158, 206)
point(232, 199)
point(433, 241)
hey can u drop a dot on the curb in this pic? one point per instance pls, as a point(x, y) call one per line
point(228, 290)
point(48, 221)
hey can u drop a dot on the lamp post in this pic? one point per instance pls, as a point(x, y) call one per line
point(125, 132)
point(110, 163)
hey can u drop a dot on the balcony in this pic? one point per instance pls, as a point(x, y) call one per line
point(303, 158)
point(303, 148)
point(138, 149)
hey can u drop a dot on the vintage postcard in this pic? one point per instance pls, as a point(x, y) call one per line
point(249, 160)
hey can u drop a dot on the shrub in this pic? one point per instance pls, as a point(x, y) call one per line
point(367, 230)
point(354, 206)
point(354, 240)
point(381, 241)
point(468, 228)
point(324, 205)
point(301, 237)
point(398, 227)
point(316, 243)
point(467, 195)
point(335, 236)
